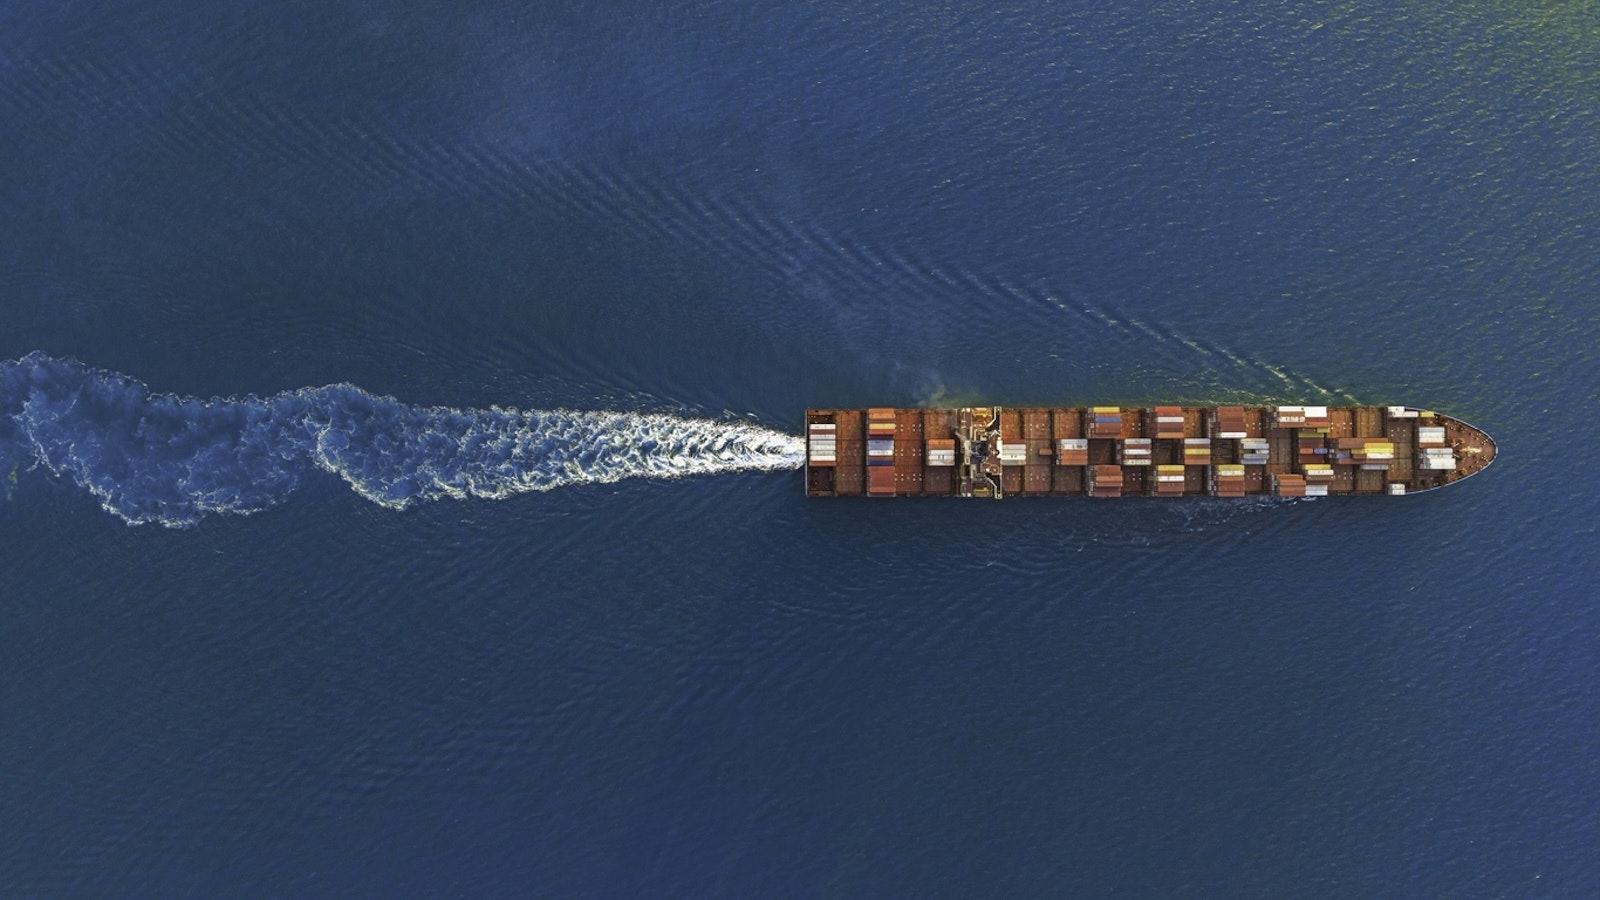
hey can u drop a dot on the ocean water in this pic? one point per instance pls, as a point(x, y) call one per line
point(398, 416)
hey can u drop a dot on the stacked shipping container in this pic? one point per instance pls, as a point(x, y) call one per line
point(1169, 481)
point(1169, 422)
point(1253, 451)
point(880, 452)
point(1290, 451)
point(823, 446)
point(1106, 422)
point(1370, 453)
point(1302, 417)
point(1105, 481)
point(1072, 452)
point(1228, 480)
point(1434, 454)
point(1228, 422)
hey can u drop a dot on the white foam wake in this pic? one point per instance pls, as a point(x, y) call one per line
point(160, 458)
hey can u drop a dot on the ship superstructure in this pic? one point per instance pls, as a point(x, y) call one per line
point(1119, 451)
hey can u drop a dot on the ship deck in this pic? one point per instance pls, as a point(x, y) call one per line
point(1161, 451)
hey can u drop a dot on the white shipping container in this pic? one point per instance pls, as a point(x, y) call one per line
point(1316, 490)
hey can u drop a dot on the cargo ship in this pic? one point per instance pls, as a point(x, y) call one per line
point(1158, 451)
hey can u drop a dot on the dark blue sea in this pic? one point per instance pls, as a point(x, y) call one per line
point(399, 414)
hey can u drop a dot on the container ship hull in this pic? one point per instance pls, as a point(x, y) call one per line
point(1159, 451)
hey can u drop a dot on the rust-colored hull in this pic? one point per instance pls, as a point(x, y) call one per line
point(1161, 451)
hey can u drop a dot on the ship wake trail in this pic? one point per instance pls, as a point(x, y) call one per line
point(151, 457)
